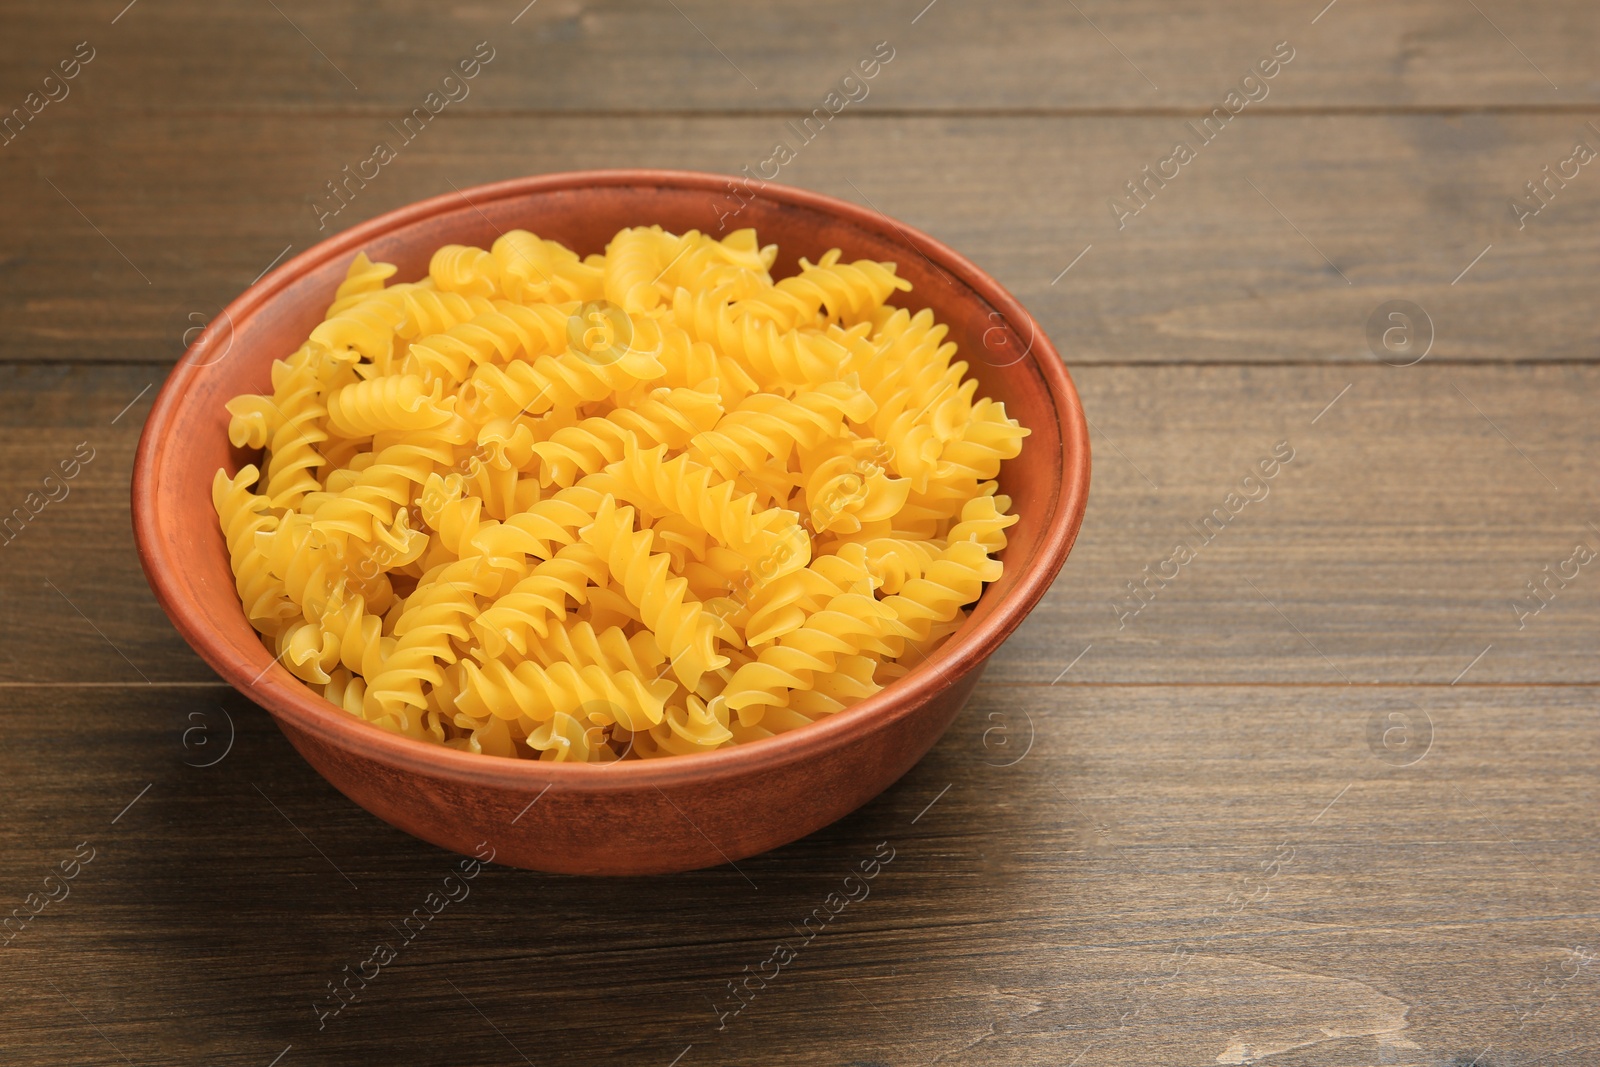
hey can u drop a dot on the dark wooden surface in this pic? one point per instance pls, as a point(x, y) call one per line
point(1173, 838)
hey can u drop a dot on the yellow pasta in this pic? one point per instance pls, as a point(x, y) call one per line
point(637, 505)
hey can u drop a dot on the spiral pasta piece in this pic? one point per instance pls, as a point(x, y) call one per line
point(990, 438)
point(767, 426)
point(543, 595)
point(785, 362)
point(954, 579)
point(635, 259)
point(307, 564)
point(682, 487)
point(686, 632)
point(427, 311)
point(848, 292)
point(370, 504)
point(435, 615)
point(893, 561)
point(667, 417)
point(292, 447)
point(253, 420)
point(455, 519)
point(782, 605)
point(593, 693)
point(244, 515)
point(554, 520)
point(848, 625)
point(394, 402)
point(737, 264)
point(535, 270)
point(984, 519)
point(848, 486)
point(697, 726)
point(361, 279)
point(580, 643)
point(357, 635)
point(569, 379)
point(367, 324)
point(465, 270)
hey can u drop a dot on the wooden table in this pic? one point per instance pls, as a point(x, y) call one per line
point(1327, 798)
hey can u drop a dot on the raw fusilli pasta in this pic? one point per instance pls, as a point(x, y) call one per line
point(634, 505)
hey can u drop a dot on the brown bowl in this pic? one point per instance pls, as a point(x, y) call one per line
point(636, 817)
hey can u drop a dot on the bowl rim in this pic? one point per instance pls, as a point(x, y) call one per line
point(290, 700)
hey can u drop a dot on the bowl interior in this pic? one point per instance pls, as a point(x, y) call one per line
point(180, 539)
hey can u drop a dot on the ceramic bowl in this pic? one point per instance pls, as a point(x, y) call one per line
point(632, 817)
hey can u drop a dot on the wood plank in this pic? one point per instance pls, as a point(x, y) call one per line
point(1391, 548)
point(70, 579)
point(1210, 270)
point(1168, 874)
point(565, 56)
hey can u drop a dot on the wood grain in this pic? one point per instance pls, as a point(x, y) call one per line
point(1209, 271)
point(1302, 882)
point(566, 55)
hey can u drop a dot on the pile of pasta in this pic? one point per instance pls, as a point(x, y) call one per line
point(630, 505)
